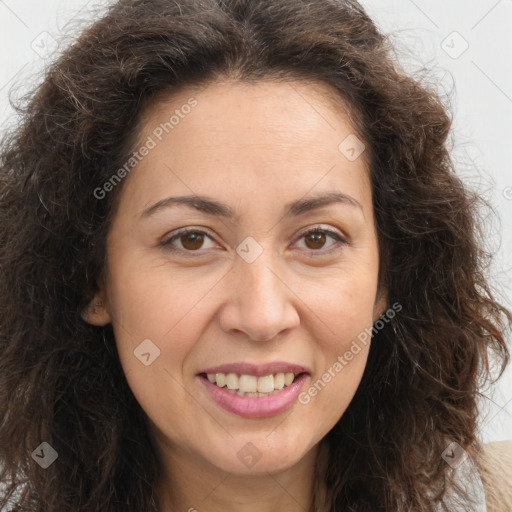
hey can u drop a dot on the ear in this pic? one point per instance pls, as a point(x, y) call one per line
point(97, 312)
point(380, 305)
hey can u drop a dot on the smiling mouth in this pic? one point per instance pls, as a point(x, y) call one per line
point(252, 385)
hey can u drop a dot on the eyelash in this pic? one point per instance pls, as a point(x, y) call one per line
point(165, 243)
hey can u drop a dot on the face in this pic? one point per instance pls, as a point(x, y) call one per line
point(268, 280)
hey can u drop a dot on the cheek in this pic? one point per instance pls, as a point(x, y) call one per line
point(343, 333)
point(152, 313)
point(151, 310)
point(339, 374)
point(149, 299)
point(343, 306)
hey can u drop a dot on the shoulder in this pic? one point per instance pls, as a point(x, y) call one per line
point(10, 506)
point(486, 476)
point(466, 492)
point(494, 463)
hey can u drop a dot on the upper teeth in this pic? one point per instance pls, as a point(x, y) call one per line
point(251, 383)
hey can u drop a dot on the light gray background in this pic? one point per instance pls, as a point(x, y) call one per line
point(464, 45)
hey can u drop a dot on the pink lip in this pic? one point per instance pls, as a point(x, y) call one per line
point(257, 370)
point(255, 407)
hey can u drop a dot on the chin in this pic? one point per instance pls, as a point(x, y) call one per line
point(258, 454)
point(268, 463)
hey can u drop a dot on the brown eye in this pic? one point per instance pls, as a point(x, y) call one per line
point(316, 239)
point(188, 240)
point(192, 240)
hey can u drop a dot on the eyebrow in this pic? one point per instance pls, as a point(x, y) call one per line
point(213, 207)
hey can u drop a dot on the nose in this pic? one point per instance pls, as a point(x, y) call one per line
point(259, 302)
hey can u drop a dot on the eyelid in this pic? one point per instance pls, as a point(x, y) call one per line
point(321, 227)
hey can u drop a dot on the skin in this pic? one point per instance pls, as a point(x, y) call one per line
point(255, 147)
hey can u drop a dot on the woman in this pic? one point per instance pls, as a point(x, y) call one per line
point(239, 272)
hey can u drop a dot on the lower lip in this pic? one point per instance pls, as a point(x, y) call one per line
point(256, 406)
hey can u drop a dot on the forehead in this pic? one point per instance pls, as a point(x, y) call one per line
point(285, 135)
point(300, 108)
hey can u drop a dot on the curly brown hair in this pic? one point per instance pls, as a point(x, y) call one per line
point(61, 380)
